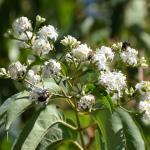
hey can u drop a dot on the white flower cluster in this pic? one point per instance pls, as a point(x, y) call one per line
point(48, 32)
point(17, 70)
point(41, 47)
point(129, 56)
point(21, 25)
point(81, 52)
point(86, 102)
point(41, 43)
point(70, 42)
point(51, 67)
point(102, 56)
point(114, 82)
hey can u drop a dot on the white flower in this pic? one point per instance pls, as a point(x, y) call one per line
point(129, 56)
point(144, 89)
point(40, 95)
point(102, 56)
point(101, 61)
point(21, 24)
point(145, 106)
point(82, 52)
point(107, 51)
point(32, 78)
point(17, 70)
point(48, 32)
point(25, 37)
point(51, 67)
point(41, 47)
point(86, 102)
point(113, 81)
point(70, 41)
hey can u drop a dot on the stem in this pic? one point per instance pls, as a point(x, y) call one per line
point(79, 126)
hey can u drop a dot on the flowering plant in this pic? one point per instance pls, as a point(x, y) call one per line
point(91, 83)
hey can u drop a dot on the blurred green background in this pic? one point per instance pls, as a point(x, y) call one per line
point(96, 22)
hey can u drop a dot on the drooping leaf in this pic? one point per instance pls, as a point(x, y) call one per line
point(4, 106)
point(16, 108)
point(98, 142)
point(110, 139)
point(39, 126)
point(7, 104)
point(118, 130)
point(132, 135)
point(57, 135)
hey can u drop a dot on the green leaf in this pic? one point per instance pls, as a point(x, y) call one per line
point(118, 130)
point(6, 105)
point(132, 135)
point(39, 126)
point(110, 139)
point(98, 142)
point(17, 107)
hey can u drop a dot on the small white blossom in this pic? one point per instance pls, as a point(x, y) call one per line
point(113, 81)
point(70, 41)
point(51, 67)
point(145, 106)
point(86, 102)
point(21, 24)
point(48, 32)
point(40, 95)
point(101, 61)
point(82, 52)
point(129, 56)
point(107, 51)
point(144, 89)
point(32, 78)
point(102, 56)
point(41, 47)
point(17, 70)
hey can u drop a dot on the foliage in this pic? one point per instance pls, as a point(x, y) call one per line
point(65, 103)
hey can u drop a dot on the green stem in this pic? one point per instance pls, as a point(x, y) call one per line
point(79, 126)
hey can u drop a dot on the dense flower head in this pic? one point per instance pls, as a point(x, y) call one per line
point(40, 95)
point(129, 56)
point(81, 52)
point(100, 61)
point(102, 56)
point(113, 81)
point(70, 41)
point(48, 32)
point(17, 70)
point(86, 102)
point(21, 24)
point(107, 51)
point(51, 67)
point(145, 106)
point(41, 47)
